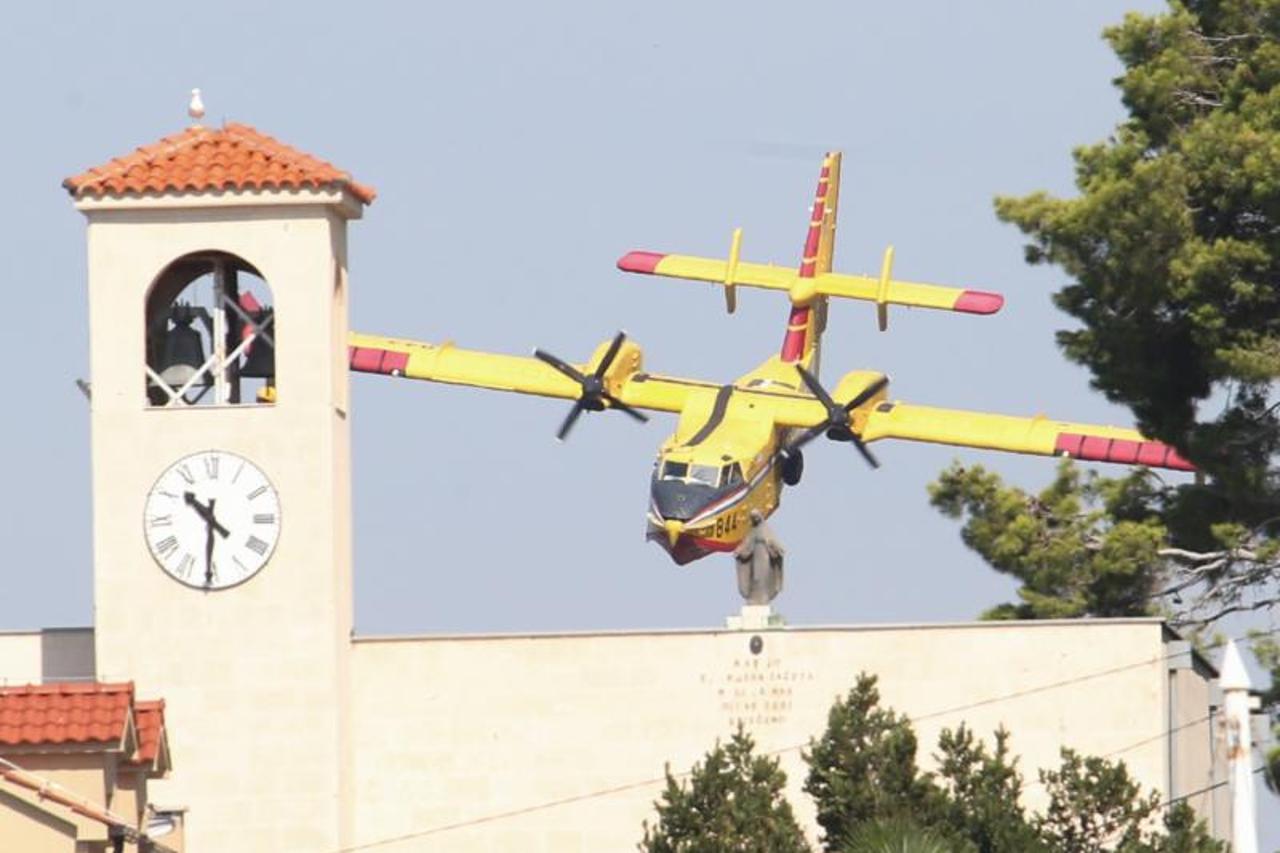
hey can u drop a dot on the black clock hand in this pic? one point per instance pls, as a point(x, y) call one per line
point(206, 513)
point(208, 546)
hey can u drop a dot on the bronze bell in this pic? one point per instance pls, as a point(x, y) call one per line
point(183, 351)
point(260, 363)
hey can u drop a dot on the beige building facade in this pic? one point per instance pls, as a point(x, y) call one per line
point(289, 734)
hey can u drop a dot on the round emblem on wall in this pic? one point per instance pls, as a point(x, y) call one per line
point(212, 520)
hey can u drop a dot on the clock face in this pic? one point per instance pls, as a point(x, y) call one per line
point(212, 520)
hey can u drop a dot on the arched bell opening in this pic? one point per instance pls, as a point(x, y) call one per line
point(211, 334)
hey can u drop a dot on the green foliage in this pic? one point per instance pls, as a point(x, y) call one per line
point(982, 793)
point(1083, 546)
point(1093, 804)
point(870, 796)
point(863, 767)
point(1267, 651)
point(1184, 833)
point(1172, 248)
point(1172, 244)
point(733, 801)
point(894, 836)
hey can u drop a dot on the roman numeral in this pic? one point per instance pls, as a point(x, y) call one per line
point(264, 518)
point(256, 545)
point(186, 474)
point(185, 566)
point(258, 492)
point(211, 467)
point(160, 520)
point(166, 546)
point(239, 471)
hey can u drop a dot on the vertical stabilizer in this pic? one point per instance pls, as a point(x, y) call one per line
point(808, 319)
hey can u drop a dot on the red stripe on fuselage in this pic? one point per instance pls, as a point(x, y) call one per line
point(688, 548)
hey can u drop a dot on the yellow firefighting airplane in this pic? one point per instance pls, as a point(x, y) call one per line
point(736, 445)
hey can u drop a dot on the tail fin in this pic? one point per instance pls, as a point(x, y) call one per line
point(807, 322)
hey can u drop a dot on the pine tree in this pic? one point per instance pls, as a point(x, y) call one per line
point(733, 802)
point(863, 767)
point(1172, 249)
point(983, 792)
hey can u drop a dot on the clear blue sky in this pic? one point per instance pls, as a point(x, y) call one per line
point(518, 150)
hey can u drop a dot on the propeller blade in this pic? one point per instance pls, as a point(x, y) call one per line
point(570, 420)
point(815, 387)
point(834, 420)
point(615, 403)
point(805, 437)
point(562, 366)
point(611, 354)
point(867, 393)
point(593, 394)
point(866, 454)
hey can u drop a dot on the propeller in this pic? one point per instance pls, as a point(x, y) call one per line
point(836, 426)
point(595, 396)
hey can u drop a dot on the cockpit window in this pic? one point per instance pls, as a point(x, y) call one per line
point(675, 470)
point(708, 474)
point(731, 475)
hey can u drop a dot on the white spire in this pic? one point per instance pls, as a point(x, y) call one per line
point(1233, 675)
point(1234, 681)
point(195, 108)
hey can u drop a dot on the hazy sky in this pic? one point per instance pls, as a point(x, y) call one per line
point(518, 150)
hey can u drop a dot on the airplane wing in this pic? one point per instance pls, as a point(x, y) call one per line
point(770, 277)
point(1040, 436)
point(523, 375)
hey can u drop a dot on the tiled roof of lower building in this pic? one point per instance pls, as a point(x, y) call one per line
point(65, 713)
point(149, 718)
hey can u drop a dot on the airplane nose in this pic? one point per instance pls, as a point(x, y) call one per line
point(674, 529)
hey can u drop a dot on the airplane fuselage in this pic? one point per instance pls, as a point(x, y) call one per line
point(719, 465)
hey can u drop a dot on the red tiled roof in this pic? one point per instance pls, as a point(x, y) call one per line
point(200, 159)
point(64, 713)
point(149, 717)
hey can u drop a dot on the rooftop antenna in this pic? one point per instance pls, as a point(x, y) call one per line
point(195, 108)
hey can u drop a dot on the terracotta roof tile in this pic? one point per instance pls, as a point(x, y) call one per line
point(64, 713)
point(202, 159)
point(149, 717)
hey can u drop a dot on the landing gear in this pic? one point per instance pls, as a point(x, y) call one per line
point(792, 467)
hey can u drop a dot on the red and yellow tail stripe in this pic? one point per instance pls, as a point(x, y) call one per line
point(802, 332)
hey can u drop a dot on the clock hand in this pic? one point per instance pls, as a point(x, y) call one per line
point(206, 513)
point(208, 548)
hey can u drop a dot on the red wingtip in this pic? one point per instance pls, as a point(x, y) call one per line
point(1094, 448)
point(643, 262)
point(979, 302)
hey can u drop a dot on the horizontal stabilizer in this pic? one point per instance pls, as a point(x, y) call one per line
point(803, 290)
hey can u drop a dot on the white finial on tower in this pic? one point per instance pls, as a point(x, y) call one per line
point(195, 108)
point(1234, 680)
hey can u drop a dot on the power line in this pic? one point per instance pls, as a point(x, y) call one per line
point(1005, 697)
point(1206, 789)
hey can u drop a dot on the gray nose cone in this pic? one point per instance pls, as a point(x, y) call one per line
point(680, 501)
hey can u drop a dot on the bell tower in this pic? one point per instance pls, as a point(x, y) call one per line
point(221, 472)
